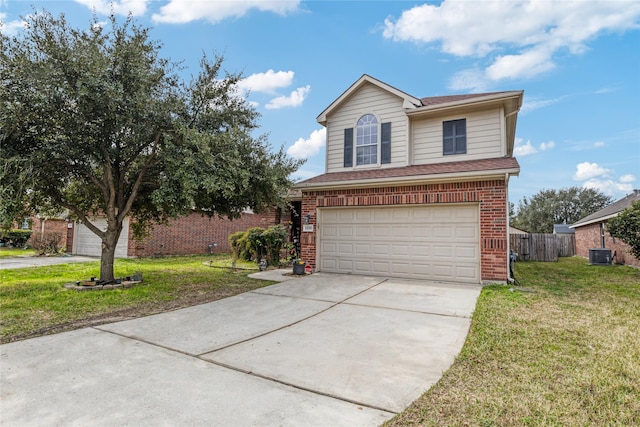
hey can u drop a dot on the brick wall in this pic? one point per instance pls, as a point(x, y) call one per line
point(490, 195)
point(588, 237)
point(193, 234)
point(53, 226)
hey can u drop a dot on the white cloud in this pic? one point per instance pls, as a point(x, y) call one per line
point(547, 145)
point(10, 28)
point(527, 64)
point(183, 11)
point(628, 178)
point(525, 149)
point(533, 104)
point(527, 34)
point(598, 144)
point(305, 148)
point(521, 150)
point(267, 82)
point(586, 170)
point(609, 186)
point(295, 99)
point(599, 178)
point(122, 7)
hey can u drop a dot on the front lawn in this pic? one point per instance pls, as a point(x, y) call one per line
point(568, 354)
point(16, 252)
point(33, 301)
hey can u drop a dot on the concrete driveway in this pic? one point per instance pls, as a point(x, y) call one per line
point(37, 261)
point(316, 351)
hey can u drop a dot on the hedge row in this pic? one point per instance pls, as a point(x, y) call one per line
point(14, 237)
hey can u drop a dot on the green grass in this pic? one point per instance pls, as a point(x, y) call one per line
point(16, 252)
point(34, 301)
point(568, 354)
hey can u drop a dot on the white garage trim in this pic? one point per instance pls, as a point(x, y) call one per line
point(419, 242)
point(85, 242)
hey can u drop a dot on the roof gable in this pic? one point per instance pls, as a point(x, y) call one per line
point(408, 100)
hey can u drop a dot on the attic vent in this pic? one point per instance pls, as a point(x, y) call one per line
point(600, 257)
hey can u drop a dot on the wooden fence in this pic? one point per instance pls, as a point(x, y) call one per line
point(542, 247)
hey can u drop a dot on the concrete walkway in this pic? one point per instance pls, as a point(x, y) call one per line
point(322, 350)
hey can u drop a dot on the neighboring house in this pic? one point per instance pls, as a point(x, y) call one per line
point(563, 229)
point(414, 187)
point(40, 226)
point(514, 230)
point(591, 232)
point(192, 234)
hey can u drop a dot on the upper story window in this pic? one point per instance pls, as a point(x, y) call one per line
point(454, 137)
point(367, 140)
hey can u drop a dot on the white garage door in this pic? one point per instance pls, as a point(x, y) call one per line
point(419, 242)
point(85, 242)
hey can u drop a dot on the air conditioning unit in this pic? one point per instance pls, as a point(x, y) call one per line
point(600, 256)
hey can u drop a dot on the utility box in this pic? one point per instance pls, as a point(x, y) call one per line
point(600, 256)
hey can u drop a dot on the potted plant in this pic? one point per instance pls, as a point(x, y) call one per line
point(298, 266)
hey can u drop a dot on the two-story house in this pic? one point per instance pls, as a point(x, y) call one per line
point(414, 187)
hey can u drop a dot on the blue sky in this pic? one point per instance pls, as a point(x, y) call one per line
point(577, 61)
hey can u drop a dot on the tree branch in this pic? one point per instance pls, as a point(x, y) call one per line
point(136, 186)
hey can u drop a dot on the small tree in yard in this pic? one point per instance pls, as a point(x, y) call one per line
point(626, 227)
point(95, 122)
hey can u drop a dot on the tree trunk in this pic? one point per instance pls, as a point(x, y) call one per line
point(109, 242)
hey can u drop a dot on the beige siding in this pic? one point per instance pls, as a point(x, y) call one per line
point(368, 100)
point(484, 137)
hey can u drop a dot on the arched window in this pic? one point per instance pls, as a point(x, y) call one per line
point(367, 140)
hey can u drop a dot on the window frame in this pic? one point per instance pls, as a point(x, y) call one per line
point(455, 137)
point(377, 143)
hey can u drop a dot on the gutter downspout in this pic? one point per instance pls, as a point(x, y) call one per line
point(509, 278)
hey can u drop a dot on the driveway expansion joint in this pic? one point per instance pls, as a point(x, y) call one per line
point(247, 372)
point(408, 310)
point(310, 390)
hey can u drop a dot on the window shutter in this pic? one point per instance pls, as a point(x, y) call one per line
point(348, 147)
point(385, 143)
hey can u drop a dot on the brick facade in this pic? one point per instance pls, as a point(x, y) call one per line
point(589, 237)
point(194, 233)
point(490, 195)
point(55, 225)
point(187, 235)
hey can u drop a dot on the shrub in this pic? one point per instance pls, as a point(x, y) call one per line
point(239, 245)
point(258, 243)
point(274, 239)
point(46, 243)
point(15, 237)
point(626, 227)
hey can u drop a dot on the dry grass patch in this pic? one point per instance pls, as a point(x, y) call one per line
point(566, 355)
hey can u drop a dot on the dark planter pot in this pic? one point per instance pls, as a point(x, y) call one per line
point(298, 268)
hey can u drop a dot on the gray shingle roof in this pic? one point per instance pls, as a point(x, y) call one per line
point(562, 229)
point(435, 100)
point(610, 211)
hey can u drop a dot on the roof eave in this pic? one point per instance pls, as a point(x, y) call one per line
point(594, 220)
point(493, 98)
point(412, 180)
